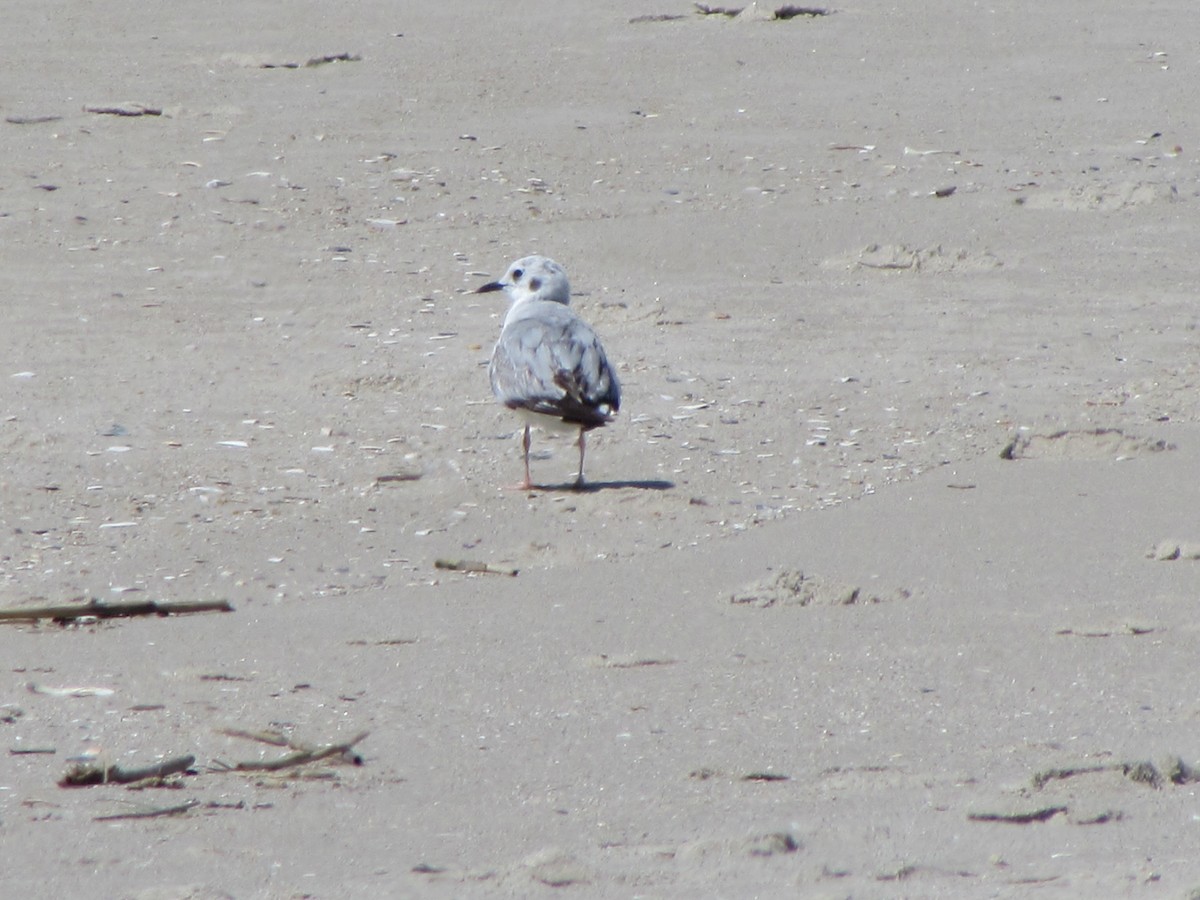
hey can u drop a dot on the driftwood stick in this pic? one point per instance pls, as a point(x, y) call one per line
point(151, 813)
point(1021, 817)
point(471, 565)
point(124, 109)
point(300, 757)
point(80, 776)
point(99, 609)
point(274, 738)
point(30, 120)
point(332, 58)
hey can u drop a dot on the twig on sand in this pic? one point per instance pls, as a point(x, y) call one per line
point(1041, 779)
point(471, 565)
point(274, 738)
point(151, 813)
point(1022, 817)
point(781, 13)
point(314, 62)
point(790, 12)
point(30, 120)
point(1174, 770)
point(98, 609)
point(85, 775)
point(332, 58)
point(300, 757)
point(128, 110)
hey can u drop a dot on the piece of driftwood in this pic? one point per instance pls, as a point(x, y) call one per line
point(1174, 770)
point(70, 691)
point(314, 62)
point(124, 109)
point(274, 738)
point(471, 565)
point(790, 12)
point(99, 609)
point(151, 813)
point(301, 757)
point(85, 775)
point(332, 58)
point(30, 120)
point(1020, 817)
point(782, 13)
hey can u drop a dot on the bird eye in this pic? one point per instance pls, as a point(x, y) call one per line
point(517, 273)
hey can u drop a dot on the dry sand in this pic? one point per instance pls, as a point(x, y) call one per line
point(808, 634)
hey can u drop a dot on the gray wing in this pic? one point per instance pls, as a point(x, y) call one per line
point(551, 362)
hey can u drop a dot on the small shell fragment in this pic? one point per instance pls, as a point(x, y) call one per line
point(35, 688)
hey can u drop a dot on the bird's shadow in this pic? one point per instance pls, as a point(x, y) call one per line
point(594, 487)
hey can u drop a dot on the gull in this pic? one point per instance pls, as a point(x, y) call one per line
point(548, 364)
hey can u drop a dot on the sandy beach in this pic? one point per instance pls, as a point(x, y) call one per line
point(883, 582)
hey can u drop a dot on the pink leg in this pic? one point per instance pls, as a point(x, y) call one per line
point(528, 481)
point(527, 485)
point(582, 444)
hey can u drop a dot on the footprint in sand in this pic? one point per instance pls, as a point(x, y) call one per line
point(901, 257)
point(1171, 550)
point(791, 587)
point(1099, 443)
point(1103, 197)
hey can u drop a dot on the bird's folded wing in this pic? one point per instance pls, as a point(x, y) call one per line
point(556, 369)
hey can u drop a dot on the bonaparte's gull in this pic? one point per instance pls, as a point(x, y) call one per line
point(548, 364)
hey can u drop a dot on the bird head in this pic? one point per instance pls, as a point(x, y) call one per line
point(532, 278)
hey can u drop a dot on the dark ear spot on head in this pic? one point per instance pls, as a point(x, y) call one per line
point(535, 284)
